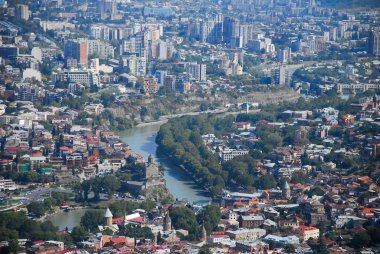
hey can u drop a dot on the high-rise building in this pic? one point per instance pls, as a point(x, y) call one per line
point(231, 29)
point(99, 48)
point(77, 49)
point(162, 50)
point(283, 55)
point(197, 71)
point(150, 86)
point(374, 43)
point(281, 76)
point(135, 64)
point(211, 30)
point(107, 8)
point(22, 12)
point(160, 76)
point(246, 33)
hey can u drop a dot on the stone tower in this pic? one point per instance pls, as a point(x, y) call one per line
point(108, 218)
point(204, 234)
point(167, 223)
point(286, 191)
point(150, 159)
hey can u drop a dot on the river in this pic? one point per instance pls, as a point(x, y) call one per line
point(68, 219)
point(142, 140)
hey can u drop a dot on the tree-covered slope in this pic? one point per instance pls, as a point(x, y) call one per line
point(347, 4)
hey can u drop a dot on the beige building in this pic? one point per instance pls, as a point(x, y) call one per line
point(22, 12)
point(246, 234)
point(305, 232)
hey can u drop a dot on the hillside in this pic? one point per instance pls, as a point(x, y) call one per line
point(347, 4)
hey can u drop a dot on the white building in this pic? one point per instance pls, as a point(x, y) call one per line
point(229, 154)
point(84, 77)
point(7, 184)
point(136, 65)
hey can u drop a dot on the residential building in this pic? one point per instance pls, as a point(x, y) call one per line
point(77, 49)
point(251, 221)
point(374, 43)
point(305, 233)
point(150, 86)
point(22, 11)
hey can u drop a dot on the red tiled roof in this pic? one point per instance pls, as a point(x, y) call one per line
point(12, 148)
point(92, 158)
point(117, 220)
point(118, 240)
point(38, 242)
point(90, 141)
point(140, 219)
point(305, 228)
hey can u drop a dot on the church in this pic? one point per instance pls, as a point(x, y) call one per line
point(152, 175)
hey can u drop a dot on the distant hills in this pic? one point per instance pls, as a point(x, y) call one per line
point(346, 4)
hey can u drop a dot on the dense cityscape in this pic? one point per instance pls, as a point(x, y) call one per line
point(230, 126)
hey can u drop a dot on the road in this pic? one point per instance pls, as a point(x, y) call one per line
point(28, 196)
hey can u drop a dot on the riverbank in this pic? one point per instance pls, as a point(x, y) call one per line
point(142, 140)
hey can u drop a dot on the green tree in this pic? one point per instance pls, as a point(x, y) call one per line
point(265, 182)
point(143, 232)
point(299, 177)
point(111, 184)
point(205, 249)
point(91, 219)
point(360, 240)
point(209, 217)
point(13, 245)
point(316, 191)
point(79, 234)
point(289, 248)
point(37, 208)
point(320, 248)
point(184, 218)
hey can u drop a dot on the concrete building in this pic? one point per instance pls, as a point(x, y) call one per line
point(246, 246)
point(229, 154)
point(196, 71)
point(162, 50)
point(246, 234)
point(306, 233)
point(101, 49)
point(281, 76)
point(150, 86)
point(9, 51)
point(282, 240)
point(83, 77)
point(374, 43)
point(135, 64)
point(251, 221)
point(22, 12)
point(7, 184)
point(77, 49)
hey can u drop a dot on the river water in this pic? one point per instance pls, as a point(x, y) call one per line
point(142, 141)
point(68, 219)
point(181, 186)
